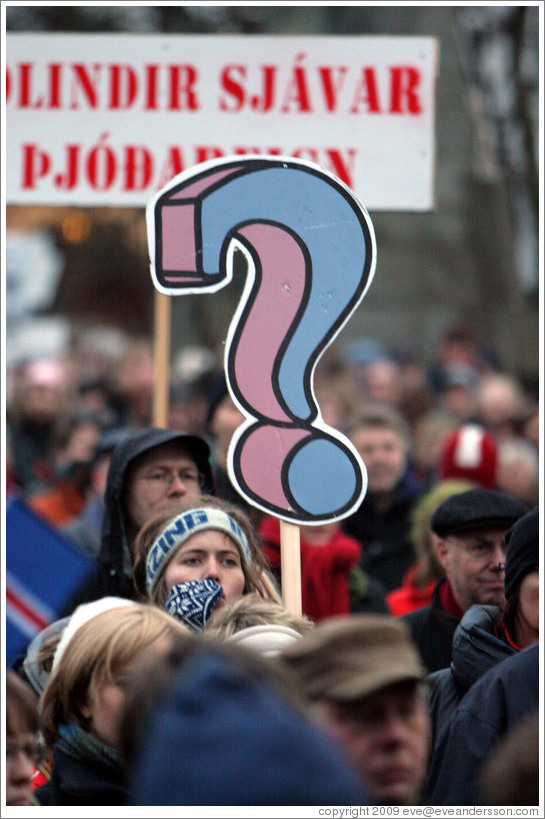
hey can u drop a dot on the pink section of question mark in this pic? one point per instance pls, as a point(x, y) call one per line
point(273, 249)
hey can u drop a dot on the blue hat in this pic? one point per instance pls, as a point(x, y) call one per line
point(222, 738)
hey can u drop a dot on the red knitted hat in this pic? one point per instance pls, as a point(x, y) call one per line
point(470, 453)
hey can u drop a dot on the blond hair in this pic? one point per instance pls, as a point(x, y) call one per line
point(95, 654)
point(255, 572)
point(253, 610)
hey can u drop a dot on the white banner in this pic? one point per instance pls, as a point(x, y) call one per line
point(108, 119)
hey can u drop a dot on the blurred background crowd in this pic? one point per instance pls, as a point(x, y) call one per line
point(63, 412)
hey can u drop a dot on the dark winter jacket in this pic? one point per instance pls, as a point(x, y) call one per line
point(32, 448)
point(113, 573)
point(496, 703)
point(77, 781)
point(433, 630)
point(387, 552)
point(477, 646)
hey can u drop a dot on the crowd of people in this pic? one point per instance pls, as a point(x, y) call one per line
point(410, 676)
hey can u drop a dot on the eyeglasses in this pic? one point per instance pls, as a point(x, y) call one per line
point(35, 752)
point(161, 480)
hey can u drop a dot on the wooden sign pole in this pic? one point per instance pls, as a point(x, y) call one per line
point(290, 566)
point(161, 359)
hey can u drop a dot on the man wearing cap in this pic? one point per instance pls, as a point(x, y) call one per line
point(362, 678)
point(486, 634)
point(150, 471)
point(469, 531)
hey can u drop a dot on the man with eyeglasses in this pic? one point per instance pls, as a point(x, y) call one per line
point(469, 537)
point(150, 472)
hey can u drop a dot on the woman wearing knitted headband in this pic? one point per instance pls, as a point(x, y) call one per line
point(192, 561)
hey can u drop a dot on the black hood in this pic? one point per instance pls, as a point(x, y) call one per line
point(115, 548)
point(475, 647)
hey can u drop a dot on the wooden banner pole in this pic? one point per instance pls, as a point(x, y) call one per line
point(161, 359)
point(290, 566)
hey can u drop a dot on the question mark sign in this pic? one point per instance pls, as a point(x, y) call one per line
point(311, 254)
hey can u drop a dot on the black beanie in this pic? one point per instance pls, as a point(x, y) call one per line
point(522, 551)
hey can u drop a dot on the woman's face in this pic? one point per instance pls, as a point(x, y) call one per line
point(208, 555)
point(103, 706)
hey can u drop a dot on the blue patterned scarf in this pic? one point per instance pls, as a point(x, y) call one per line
point(80, 744)
point(192, 602)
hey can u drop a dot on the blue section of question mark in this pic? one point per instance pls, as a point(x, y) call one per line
point(327, 496)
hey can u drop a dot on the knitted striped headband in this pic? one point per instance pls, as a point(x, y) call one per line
point(181, 529)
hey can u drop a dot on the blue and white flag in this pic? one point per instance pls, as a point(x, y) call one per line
point(43, 570)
